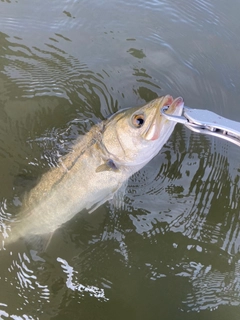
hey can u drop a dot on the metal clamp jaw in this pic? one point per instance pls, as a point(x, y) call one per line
point(207, 122)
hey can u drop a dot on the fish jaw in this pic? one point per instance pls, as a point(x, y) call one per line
point(159, 122)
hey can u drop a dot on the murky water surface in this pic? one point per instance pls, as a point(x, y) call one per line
point(172, 252)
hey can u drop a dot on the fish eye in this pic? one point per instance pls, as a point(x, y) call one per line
point(138, 120)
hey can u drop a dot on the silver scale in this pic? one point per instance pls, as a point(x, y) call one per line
point(207, 122)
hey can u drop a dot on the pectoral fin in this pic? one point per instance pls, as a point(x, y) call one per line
point(109, 165)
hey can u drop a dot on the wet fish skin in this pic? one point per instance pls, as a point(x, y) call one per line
point(96, 168)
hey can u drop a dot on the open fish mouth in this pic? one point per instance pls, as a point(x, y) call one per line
point(175, 107)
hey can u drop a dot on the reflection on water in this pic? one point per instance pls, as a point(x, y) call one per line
point(194, 188)
point(52, 72)
point(75, 286)
point(212, 287)
point(20, 282)
point(194, 196)
point(173, 249)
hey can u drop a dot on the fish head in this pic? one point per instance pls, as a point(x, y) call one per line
point(134, 136)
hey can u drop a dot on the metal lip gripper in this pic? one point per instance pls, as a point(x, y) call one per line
point(207, 122)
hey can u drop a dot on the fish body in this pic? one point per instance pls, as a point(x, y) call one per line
point(96, 168)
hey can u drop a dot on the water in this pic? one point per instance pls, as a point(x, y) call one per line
point(172, 252)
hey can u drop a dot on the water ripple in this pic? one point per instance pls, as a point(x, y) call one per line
point(24, 283)
point(212, 288)
point(186, 195)
point(51, 72)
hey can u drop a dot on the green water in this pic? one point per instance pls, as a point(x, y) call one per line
point(172, 252)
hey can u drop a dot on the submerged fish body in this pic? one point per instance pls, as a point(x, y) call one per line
point(96, 168)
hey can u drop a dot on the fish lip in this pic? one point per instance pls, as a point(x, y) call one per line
point(175, 107)
point(151, 130)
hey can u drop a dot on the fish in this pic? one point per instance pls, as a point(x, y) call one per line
point(97, 168)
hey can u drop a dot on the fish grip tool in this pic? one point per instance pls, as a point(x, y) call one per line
point(207, 122)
